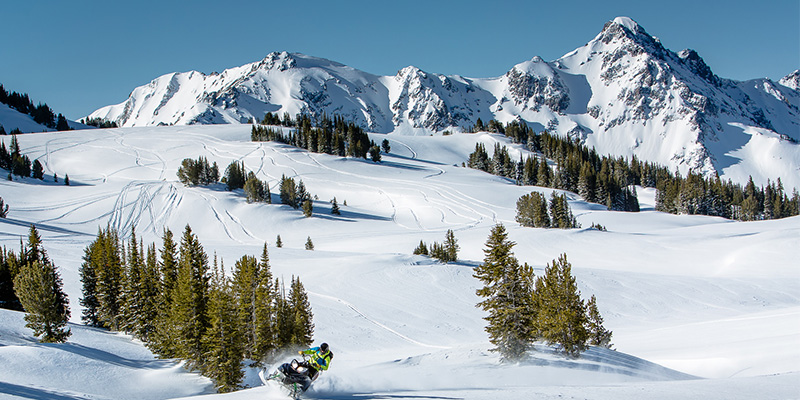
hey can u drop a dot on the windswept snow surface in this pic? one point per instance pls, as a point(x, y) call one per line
point(699, 306)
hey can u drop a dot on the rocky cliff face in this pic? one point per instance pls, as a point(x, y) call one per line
point(623, 93)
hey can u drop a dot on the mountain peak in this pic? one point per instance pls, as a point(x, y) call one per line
point(628, 23)
point(792, 80)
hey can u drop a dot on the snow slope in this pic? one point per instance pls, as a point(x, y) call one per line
point(12, 119)
point(700, 306)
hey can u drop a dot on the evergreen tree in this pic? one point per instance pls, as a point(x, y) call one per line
point(90, 300)
point(264, 324)
point(66, 179)
point(278, 242)
point(450, 247)
point(309, 244)
point(9, 268)
point(561, 318)
point(284, 319)
point(507, 294)
point(375, 154)
point(598, 335)
point(303, 333)
point(189, 313)
point(334, 207)
point(39, 288)
point(288, 192)
point(106, 264)
point(62, 124)
point(235, 175)
point(385, 146)
point(223, 339)
point(38, 170)
point(421, 249)
point(255, 189)
point(308, 208)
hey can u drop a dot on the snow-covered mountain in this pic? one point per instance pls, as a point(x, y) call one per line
point(623, 93)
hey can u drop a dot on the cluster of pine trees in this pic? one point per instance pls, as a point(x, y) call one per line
point(98, 122)
point(42, 114)
point(608, 186)
point(16, 163)
point(30, 282)
point(523, 309)
point(446, 252)
point(532, 210)
point(180, 307)
point(295, 195)
point(696, 194)
point(198, 172)
point(335, 137)
point(609, 181)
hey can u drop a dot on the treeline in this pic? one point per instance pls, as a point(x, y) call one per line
point(532, 211)
point(523, 309)
point(609, 181)
point(30, 282)
point(98, 122)
point(696, 194)
point(605, 183)
point(445, 252)
point(335, 137)
point(16, 163)
point(182, 307)
point(41, 114)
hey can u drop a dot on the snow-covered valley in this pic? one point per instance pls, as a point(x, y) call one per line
point(700, 307)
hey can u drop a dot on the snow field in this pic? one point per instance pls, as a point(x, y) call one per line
point(687, 297)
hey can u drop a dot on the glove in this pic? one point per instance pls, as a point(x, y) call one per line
point(300, 352)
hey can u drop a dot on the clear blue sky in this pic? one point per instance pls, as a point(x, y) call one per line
point(78, 56)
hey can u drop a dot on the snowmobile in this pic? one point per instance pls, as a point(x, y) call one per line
point(295, 376)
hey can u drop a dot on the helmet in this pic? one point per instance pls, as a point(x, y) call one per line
point(323, 347)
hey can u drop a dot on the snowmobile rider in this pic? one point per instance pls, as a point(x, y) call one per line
point(320, 359)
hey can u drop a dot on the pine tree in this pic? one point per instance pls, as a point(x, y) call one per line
point(38, 170)
point(39, 288)
point(385, 146)
point(561, 317)
point(189, 313)
point(9, 268)
point(303, 325)
point(450, 247)
point(278, 242)
point(309, 244)
point(223, 339)
point(246, 278)
point(288, 192)
point(308, 208)
point(107, 262)
point(90, 299)
point(507, 293)
point(284, 318)
point(266, 293)
point(421, 249)
point(598, 335)
point(132, 293)
point(334, 207)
